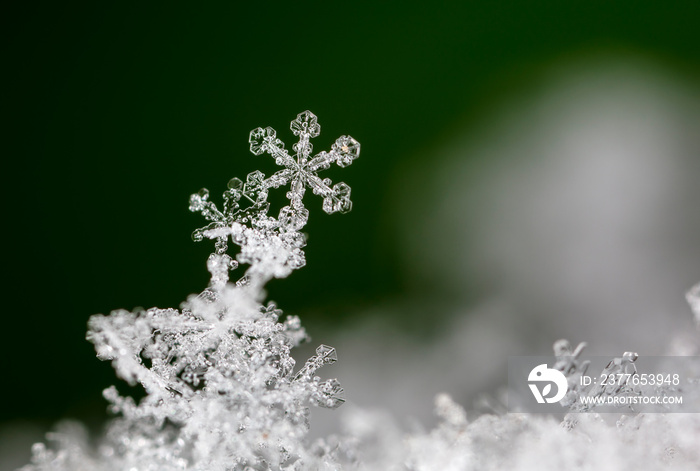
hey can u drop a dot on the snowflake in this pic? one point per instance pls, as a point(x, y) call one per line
point(272, 246)
point(301, 171)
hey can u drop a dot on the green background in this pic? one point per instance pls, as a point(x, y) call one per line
point(116, 112)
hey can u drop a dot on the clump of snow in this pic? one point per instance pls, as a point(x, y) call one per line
point(221, 387)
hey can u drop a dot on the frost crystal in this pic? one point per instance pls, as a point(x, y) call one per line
point(221, 390)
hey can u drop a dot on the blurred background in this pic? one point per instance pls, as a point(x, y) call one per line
point(529, 171)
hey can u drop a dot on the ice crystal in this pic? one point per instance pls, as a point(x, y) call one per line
point(273, 246)
point(301, 170)
point(568, 362)
point(221, 388)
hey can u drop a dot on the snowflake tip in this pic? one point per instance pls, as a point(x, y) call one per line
point(293, 219)
point(347, 149)
point(198, 235)
point(198, 199)
point(264, 140)
point(326, 354)
point(339, 201)
point(235, 184)
point(331, 394)
point(306, 123)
